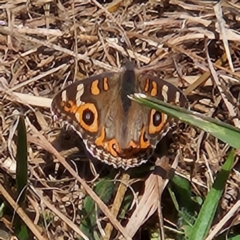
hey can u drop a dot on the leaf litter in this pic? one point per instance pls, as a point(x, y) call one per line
point(45, 45)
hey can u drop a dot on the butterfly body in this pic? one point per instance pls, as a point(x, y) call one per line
point(115, 129)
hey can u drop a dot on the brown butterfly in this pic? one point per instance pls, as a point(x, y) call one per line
point(115, 129)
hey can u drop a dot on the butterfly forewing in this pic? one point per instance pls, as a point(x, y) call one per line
point(161, 89)
point(72, 103)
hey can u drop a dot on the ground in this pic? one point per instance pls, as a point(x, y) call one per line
point(45, 45)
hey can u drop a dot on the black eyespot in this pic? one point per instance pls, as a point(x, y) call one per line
point(88, 117)
point(144, 137)
point(157, 118)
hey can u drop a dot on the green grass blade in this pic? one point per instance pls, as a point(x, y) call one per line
point(22, 164)
point(184, 202)
point(104, 189)
point(223, 131)
point(21, 176)
point(208, 210)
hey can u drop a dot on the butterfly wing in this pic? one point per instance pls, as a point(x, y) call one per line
point(84, 103)
point(159, 123)
point(114, 129)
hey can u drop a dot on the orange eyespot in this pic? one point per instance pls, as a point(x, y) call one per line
point(113, 147)
point(87, 116)
point(144, 142)
point(156, 121)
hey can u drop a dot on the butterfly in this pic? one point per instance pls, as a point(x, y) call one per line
point(115, 129)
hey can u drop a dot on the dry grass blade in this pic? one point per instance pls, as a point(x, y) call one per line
point(21, 214)
point(221, 23)
point(149, 202)
point(228, 104)
point(203, 78)
point(146, 207)
point(32, 100)
point(117, 203)
point(60, 215)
